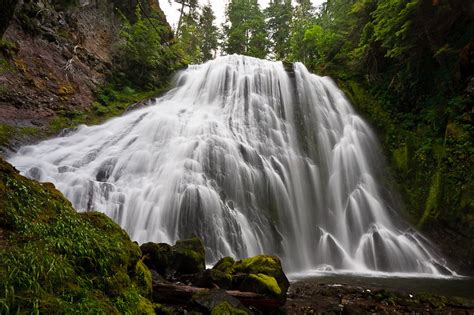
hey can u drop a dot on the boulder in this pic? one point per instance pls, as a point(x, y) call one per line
point(225, 265)
point(212, 278)
point(157, 256)
point(184, 258)
point(188, 256)
point(218, 301)
point(260, 274)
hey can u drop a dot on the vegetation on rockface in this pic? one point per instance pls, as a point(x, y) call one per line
point(85, 77)
point(407, 67)
point(54, 260)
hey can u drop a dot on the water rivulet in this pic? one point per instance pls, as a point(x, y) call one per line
point(249, 157)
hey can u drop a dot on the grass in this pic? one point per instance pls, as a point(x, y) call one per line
point(54, 260)
point(110, 103)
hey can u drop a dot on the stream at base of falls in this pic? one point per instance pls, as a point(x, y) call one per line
point(447, 286)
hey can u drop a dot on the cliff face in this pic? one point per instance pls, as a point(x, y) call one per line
point(55, 56)
point(56, 60)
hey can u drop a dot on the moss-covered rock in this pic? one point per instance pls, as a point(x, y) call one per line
point(260, 274)
point(211, 278)
point(225, 308)
point(157, 256)
point(262, 268)
point(188, 256)
point(260, 283)
point(54, 260)
point(143, 279)
point(212, 300)
point(225, 265)
point(184, 258)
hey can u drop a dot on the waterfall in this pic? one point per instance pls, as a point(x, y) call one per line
point(252, 159)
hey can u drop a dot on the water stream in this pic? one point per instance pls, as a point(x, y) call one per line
point(252, 159)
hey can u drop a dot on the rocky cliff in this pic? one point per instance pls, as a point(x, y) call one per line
point(56, 56)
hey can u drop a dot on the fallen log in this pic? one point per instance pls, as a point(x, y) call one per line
point(183, 294)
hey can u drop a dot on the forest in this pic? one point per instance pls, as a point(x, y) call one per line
point(406, 66)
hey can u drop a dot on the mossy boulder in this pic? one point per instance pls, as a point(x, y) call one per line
point(261, 274)
point(184, 258)
point(54, 260)
point(226, 308)
point(188, 256)
point(225, 265)
point(211, 278)
point(213, 300)
point(260, 283)
point(157, 256)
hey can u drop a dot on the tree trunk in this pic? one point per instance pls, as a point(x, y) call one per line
point(182, 294)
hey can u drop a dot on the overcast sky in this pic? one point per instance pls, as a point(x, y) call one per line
point(172, 12)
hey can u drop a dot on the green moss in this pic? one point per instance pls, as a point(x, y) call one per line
point(400, 157)
point(59, 261)
point(8, 132)
point(432, 200)
point(225, 265)
point(143, 279)
point(188, 256)
point(225, 308)
point(267, 282)
point(110, 103)
point(262, 274)
point(161, 309)
point(221, 279)
point(262, 264)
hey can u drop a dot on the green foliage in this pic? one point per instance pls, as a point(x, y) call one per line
point(144, 58)
point(245, 29)
point(279, 14)
point(403, 64)
point(54, 260)
point(226, 308)
point(111, 102)
point(303, 18)
point(208, 33)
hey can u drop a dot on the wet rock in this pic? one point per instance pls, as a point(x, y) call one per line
point(263, 268)
point(225, 265)
point(185, 257)
point(188, 256)
point(157, 256)
point(212, 278)
point(260, 274)
point(218, 301)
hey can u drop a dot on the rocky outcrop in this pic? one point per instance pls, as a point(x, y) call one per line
point(180, 277)
point(57, 59)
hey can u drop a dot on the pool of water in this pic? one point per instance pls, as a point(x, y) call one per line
point(448, 286)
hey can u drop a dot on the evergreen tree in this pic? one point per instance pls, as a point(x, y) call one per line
point(279, 14)
point(245, 31)
point(192, 6)
point(208, 33)
point(303, 19)
point(190, 39)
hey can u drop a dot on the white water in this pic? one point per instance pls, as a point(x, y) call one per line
point(249, 158)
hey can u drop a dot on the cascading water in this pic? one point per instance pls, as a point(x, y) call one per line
point(248, 157)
